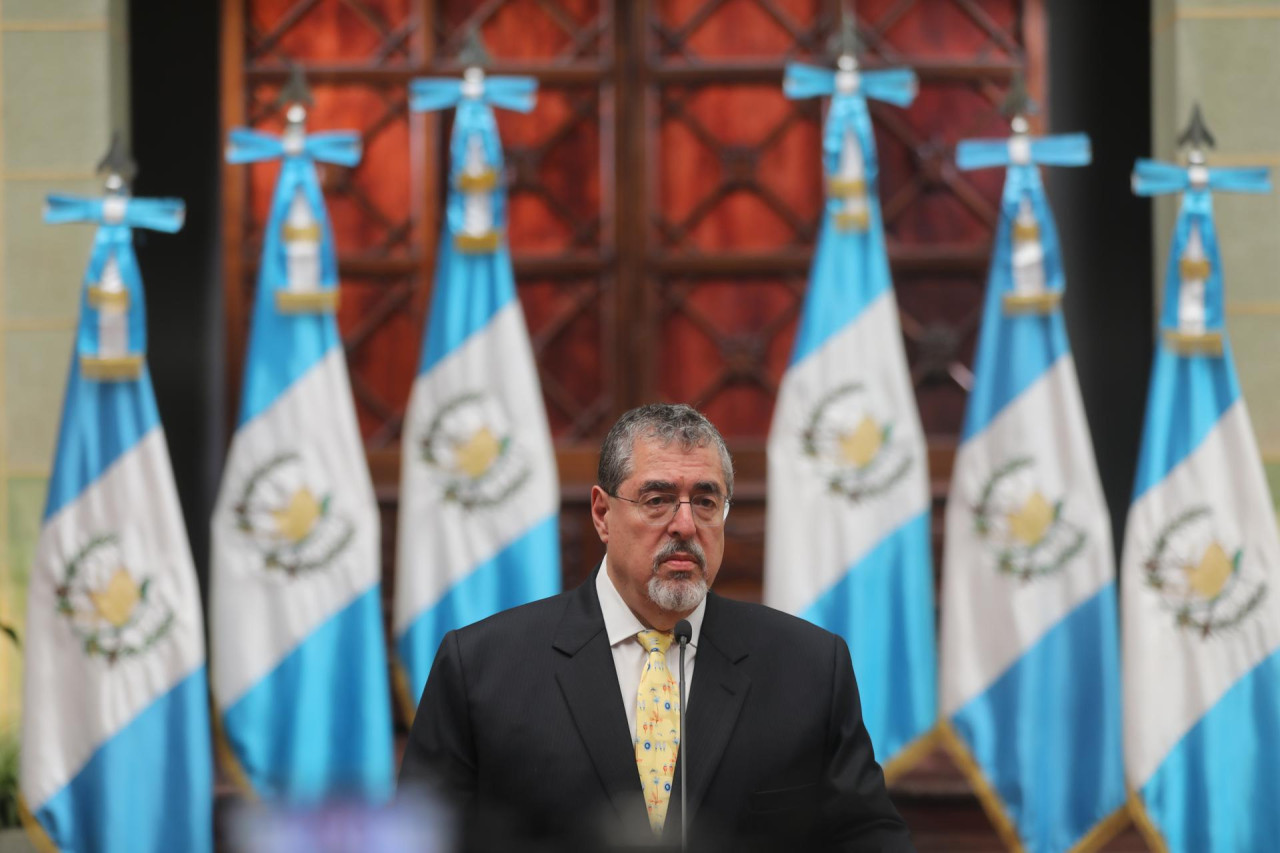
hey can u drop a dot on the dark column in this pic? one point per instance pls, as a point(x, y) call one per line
point(173, 52)
point(1100, 83)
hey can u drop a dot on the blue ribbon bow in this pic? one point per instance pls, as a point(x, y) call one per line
point(474, 118)
point(116, 217)
point(848, 111)
point(1152, 177)
point(1022, 181)
point(297, 172)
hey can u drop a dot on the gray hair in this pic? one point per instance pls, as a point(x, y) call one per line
point(663, 423)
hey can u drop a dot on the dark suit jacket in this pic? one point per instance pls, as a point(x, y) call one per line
point(522, 725)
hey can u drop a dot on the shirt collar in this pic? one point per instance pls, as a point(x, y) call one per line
point(620, 624)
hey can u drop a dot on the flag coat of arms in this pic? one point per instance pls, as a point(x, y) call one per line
point(847, 542)
point(1201, 563)
point(479, 529)
point(1030, 686)
point(115, 741)
point(299, 661)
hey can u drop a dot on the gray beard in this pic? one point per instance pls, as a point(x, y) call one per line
point(677, 595)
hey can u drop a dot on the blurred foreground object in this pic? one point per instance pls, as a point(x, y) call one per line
point(413, 823)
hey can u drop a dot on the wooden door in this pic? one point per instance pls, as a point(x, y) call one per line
point(665, 197)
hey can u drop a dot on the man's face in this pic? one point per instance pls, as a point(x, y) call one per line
point(662, 569)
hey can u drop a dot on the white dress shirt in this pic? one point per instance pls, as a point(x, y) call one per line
point(629, 657)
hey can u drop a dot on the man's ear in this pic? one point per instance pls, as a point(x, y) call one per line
point(600, 513)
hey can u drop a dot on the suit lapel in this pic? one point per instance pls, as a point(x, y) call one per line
point(588, 680)
point(715, 699)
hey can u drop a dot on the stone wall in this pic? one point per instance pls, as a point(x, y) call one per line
point(63, 88)
point(1223, 54)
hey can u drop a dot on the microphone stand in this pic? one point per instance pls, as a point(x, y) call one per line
point(683, 632)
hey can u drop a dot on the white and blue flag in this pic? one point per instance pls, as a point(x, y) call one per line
point(1030, 686)
point(299, 662)
point(1201, 563)
point(847, 542)
point(479, 495)
point(115, 739)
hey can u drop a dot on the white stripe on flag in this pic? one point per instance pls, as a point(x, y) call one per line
point(440, 541)
point(801, 565)
point(990, 618)
point(76, 702)
point(1173, 675)
point(258, 615)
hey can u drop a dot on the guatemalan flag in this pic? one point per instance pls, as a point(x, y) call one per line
point(115, 738)
point(847, 525)
point(299, 660)
point(1201, 564)
point(479, 495)
point(1030, 657)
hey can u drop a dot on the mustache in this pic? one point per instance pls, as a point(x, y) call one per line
point(674, 547)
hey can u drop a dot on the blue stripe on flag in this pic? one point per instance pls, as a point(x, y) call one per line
point(883, 608)
point(1047, 732)
point(100, 421)
point(469, 290)
point(282, 347)
point(1013, 352)
point(319, 724)
point(524, 571)
point(1219, 787)
point(147, 788)
point(849, 272)
point(1188, 395)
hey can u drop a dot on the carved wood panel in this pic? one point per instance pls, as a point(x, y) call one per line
point(664, 200)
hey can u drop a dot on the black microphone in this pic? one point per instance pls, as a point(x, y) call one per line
point(683, 633)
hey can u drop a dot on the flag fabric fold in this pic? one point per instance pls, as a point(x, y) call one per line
point(847, 542)
point(115, 742)
point(1201, 563)
point(478, 529)
point(299, 667)
point(1030, 687)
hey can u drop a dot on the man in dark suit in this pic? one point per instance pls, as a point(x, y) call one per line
point(559, 720)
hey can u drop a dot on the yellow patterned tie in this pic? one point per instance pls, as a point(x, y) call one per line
point(657, 727)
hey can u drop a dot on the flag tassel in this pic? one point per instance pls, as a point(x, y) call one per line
point(226, 754)
point(39, 838)
point(403, 696)
point(992, 804)
point(1146, 826)
point(906, 758)
point(1104, 831)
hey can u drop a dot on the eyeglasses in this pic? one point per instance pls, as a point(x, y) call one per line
point(709, 510)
